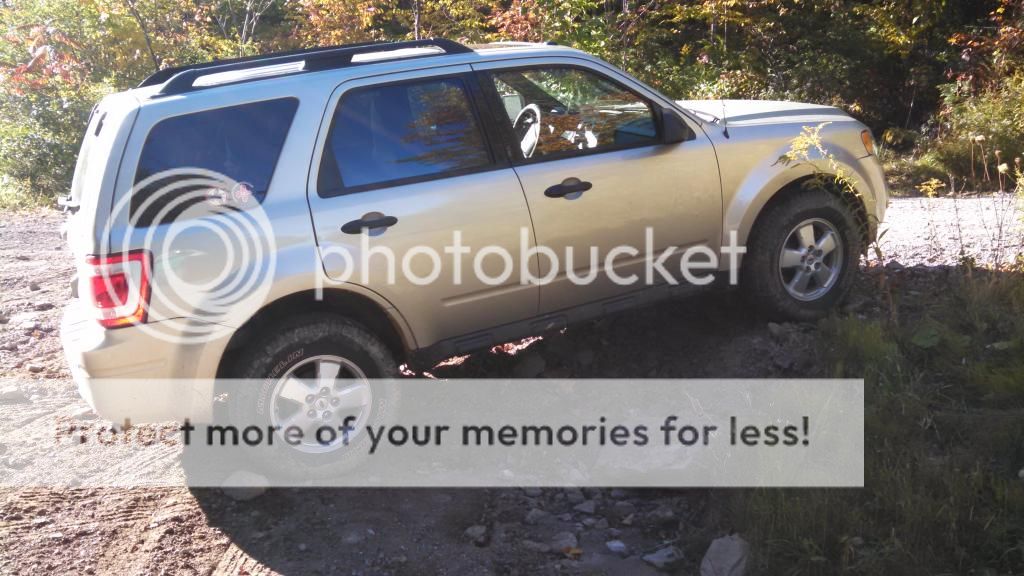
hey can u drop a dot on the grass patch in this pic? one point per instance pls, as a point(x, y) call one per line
point(904, 172)
point(14, 198)
point(944, 433)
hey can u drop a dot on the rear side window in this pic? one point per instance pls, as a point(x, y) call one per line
point(400, 133)
point(241, 142)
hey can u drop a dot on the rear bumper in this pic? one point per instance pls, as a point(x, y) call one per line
point(134, 374)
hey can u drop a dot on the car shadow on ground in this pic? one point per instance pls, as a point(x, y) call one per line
point(303, 531)
point(332, 531)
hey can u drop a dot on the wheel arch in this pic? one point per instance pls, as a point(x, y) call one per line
point(382, 321)
point(769, 180)
point(824, 182)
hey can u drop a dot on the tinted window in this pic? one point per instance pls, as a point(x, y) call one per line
point(561, 110)
point(401, 131)
point(242, 143)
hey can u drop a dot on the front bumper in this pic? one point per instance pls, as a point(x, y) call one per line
point(134, 374)
point(877, 199)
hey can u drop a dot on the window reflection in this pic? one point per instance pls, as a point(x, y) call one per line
point(561, 110)
point(399, 131)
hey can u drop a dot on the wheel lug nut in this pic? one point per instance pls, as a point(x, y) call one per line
point(310, 398)
point(324, 391)
point(335, 401)
point(327, 414)
point(311, 413)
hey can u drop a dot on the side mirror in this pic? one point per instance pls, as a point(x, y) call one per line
point(673, 129)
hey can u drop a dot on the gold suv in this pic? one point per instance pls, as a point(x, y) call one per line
point(317, 218)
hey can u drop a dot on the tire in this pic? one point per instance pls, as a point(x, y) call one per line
point(767, 270)
point(301, 344)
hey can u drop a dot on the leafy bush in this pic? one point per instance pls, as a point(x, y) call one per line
point(906, 172)
point(59, 57)
point(880, 61)
point(40, 133)
point(899, 139)
point(975, 127)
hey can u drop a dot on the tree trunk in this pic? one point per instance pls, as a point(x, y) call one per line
point(133, 10)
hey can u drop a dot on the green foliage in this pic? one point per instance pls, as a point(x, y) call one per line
point(44, 103)
point(39, 138)
point(15, 198)
point(906, 173)
point(944, 438)
point(976, 125)
point(857, 347)
point(899, 139)
point(881, 61)
point(61, 56)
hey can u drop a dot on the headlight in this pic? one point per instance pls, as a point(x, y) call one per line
point(869, 142)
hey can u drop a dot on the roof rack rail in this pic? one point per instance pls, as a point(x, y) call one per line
point(515, 43)
point(165, 74)
point(181, 79)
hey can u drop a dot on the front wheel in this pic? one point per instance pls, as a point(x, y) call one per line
point(802, 256)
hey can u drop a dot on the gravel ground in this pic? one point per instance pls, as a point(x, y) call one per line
point(935, 231)
point(178, 531)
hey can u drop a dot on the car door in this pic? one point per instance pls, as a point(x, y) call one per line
point(585, 144)
point(404, 166)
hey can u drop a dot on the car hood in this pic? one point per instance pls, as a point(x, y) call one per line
point(740, 112)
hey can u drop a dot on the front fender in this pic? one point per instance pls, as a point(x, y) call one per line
point(770, 175)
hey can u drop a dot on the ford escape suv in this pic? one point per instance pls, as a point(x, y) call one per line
point(273, 217)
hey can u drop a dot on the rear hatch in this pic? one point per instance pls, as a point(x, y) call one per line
point(90, 200)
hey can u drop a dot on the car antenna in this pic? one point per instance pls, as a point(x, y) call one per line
point(725, 125)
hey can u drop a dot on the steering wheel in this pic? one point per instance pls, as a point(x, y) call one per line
point(585, 130)
point(527, 129)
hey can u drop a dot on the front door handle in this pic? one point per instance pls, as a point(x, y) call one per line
point(369, 222)
point(567, 187)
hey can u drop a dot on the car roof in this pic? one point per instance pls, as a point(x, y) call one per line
point(360, 59)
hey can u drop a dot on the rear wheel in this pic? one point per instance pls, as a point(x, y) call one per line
point(320, 391)
point(315, 373)
point(802, 256)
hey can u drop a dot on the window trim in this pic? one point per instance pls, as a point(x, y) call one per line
point(512, 149)
point(496, 158)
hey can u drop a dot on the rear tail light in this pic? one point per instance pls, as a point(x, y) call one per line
point(118, 287)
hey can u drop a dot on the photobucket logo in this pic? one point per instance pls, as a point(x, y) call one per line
point(368, 261)
point(200, 257)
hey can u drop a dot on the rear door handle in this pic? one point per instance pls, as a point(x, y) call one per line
point(568, 186)
point(369, 222)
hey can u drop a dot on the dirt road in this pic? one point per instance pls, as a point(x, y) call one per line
point(177, 531)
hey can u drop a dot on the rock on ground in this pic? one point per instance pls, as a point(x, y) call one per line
point(664, 558)
point(12, 395)
point(617, 547)
point(564, 541)
point(727, 556)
